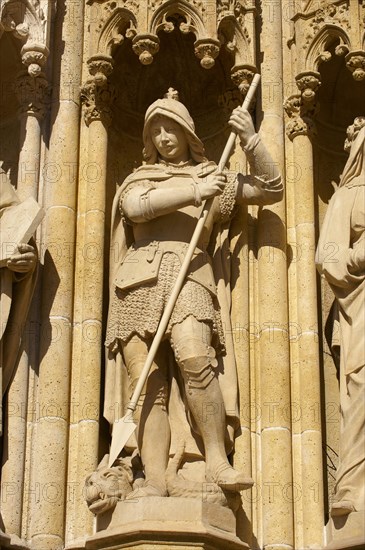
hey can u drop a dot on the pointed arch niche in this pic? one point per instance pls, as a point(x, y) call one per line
point(133, 57)
point(210, 95)
point(136, 55)
point(204, 92)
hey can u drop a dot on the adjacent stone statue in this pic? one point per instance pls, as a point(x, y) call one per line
point(17, 279)
point(189, 404)
point(341, 260)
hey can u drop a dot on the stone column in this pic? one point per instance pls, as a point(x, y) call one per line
point(242, 76)
point(46, 486)
point(97, 95)
point(32, 90)
point(275, 515)
point(305, 364)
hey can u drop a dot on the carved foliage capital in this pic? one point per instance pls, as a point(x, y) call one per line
point(299, 126)
point(34, 57)
point(33, 94)
point(242, 76)
point(308, 84)
point(292, 105)
point(303, 107)
point(145, 46)
point(207, 50)
point(98, 94)
point(97, 101)
point(355, 62)
point(301, 117)
point(100, 67)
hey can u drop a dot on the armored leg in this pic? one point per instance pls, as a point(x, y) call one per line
point(196, 358)
point(153, 432)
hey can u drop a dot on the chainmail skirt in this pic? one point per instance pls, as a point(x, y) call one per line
point(137, 311)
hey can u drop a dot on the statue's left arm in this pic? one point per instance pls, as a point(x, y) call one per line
point(263, 185)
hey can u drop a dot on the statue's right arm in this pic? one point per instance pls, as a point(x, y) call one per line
point(142, 204)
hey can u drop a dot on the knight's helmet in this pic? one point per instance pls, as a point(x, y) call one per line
point(171, 107)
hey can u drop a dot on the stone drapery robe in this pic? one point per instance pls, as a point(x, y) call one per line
point(16, 290)
point(340, 259)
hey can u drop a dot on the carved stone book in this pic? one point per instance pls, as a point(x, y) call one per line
point(17, 225)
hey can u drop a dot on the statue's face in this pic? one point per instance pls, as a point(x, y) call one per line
point(352, 131)
point(169, 139)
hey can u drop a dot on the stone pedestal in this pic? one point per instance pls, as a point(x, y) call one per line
point(154, 522)
point(347, 532)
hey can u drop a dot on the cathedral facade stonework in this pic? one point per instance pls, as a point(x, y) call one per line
point(247, 430)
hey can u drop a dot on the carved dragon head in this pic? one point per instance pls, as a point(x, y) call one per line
point(106, 486)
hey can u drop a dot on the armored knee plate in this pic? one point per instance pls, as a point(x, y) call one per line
point(155, 390)
point(196, 361)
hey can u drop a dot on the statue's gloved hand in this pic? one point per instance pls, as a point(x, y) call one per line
point(241, 122)
point(23, 260)
point(212, 185)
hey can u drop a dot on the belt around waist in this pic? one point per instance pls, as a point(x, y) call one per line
point(165, 245)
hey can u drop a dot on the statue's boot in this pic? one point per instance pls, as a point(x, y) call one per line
point(229, 479)
point(151, 488)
